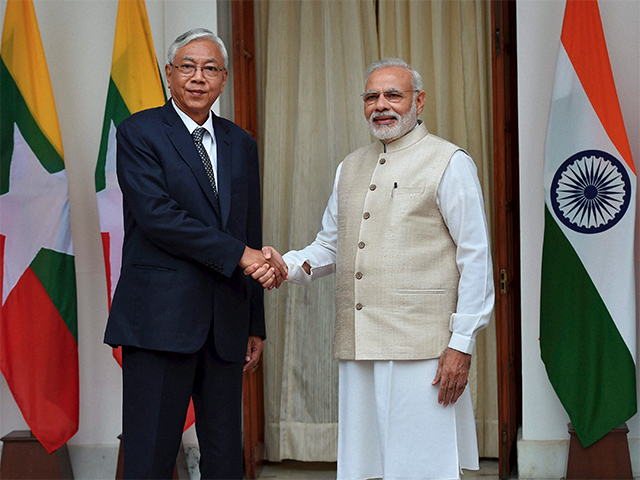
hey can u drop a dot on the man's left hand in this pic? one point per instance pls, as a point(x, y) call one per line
point(254, 350)
point(452, 375)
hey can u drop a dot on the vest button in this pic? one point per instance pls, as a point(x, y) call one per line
point(361, 245)
point(382, 161)
point(372, 187)
point(366, 215)
point(358, 306)
point(359, 275)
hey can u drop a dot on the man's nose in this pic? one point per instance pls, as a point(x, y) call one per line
point(382, 103)
point(198, 76)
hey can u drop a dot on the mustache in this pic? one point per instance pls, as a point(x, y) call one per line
point(385, 113)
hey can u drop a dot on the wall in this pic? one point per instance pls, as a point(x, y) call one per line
point(78, 42)
point(543, 445)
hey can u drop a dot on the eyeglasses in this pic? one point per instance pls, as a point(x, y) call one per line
point(393, 96)
point(188, 70)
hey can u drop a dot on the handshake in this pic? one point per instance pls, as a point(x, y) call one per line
point(266, 266)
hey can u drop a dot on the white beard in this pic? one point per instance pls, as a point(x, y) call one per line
point(404, 124)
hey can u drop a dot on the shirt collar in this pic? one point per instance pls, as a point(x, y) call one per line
point(191, 125)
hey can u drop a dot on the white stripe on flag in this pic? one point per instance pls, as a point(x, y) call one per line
point(573, 127)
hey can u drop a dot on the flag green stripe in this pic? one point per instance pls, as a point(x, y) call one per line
point(116, 111)
point(56, 272)
point(15, 110)
point(587, 360)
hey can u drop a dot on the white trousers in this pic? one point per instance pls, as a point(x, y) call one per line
point(391, 426)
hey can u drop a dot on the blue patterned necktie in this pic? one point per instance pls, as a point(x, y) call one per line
point(197, 135)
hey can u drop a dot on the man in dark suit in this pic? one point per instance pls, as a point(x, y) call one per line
point(187, 318)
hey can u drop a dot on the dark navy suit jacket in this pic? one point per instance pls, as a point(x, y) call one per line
point(180, 274)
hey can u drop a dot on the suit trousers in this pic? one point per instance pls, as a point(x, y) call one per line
point(157, 387)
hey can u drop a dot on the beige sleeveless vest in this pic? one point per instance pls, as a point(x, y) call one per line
point(397, 278)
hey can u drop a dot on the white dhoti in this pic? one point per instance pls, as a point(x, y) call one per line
point(392, 427)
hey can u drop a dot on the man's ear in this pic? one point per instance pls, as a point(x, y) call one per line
point(167, 72)
point(420, 101)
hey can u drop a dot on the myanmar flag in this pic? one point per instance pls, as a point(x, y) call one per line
point(587, 312)
point(135, 85)
point(38, 318)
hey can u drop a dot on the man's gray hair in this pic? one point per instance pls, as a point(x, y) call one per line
point(416, 83)
point(196, 34)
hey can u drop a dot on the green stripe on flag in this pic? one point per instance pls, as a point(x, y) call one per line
point(15, 110)
point(587, 360)
point(56, 272)
point(115, 111)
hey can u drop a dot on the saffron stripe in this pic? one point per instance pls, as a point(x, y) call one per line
point(583, 39)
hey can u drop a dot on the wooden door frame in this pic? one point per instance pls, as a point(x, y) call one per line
point(245, 115)
point(506, 229)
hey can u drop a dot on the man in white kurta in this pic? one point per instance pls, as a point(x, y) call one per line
point(406, 233)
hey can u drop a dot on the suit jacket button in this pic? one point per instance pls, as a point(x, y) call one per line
point(372, 187)
point(366, 215)
point(382, 161)
point(361, 245)
point(359, 275)
point(358, 306)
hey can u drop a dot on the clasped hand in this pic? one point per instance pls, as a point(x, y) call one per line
point(266, 266)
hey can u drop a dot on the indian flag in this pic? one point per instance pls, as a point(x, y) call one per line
point(587, 312)
point(135, 85)
point(38, 318)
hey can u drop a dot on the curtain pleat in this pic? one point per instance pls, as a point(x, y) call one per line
point(311, 58)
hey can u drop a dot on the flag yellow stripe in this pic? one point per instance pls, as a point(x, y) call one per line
point(135, 69)
point(23, 55)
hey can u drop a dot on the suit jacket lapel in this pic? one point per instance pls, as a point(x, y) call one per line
point(223, 144)
point(182, 141)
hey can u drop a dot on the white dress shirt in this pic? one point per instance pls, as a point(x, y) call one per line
point(461, 205)
point(208, 139)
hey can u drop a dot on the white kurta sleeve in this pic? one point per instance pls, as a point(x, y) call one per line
point(461, 205)
point(321, 254)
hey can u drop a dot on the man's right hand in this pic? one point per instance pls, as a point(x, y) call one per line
point(266, 266)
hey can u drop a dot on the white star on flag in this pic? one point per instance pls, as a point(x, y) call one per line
point(34, 213)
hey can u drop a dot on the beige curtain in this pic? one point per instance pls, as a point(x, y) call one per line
point(311, 57)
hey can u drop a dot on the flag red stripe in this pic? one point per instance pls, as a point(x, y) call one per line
point(191, 416)
point(2, 241)
point(106, 250)
point(583, 39)
point(39, 360)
